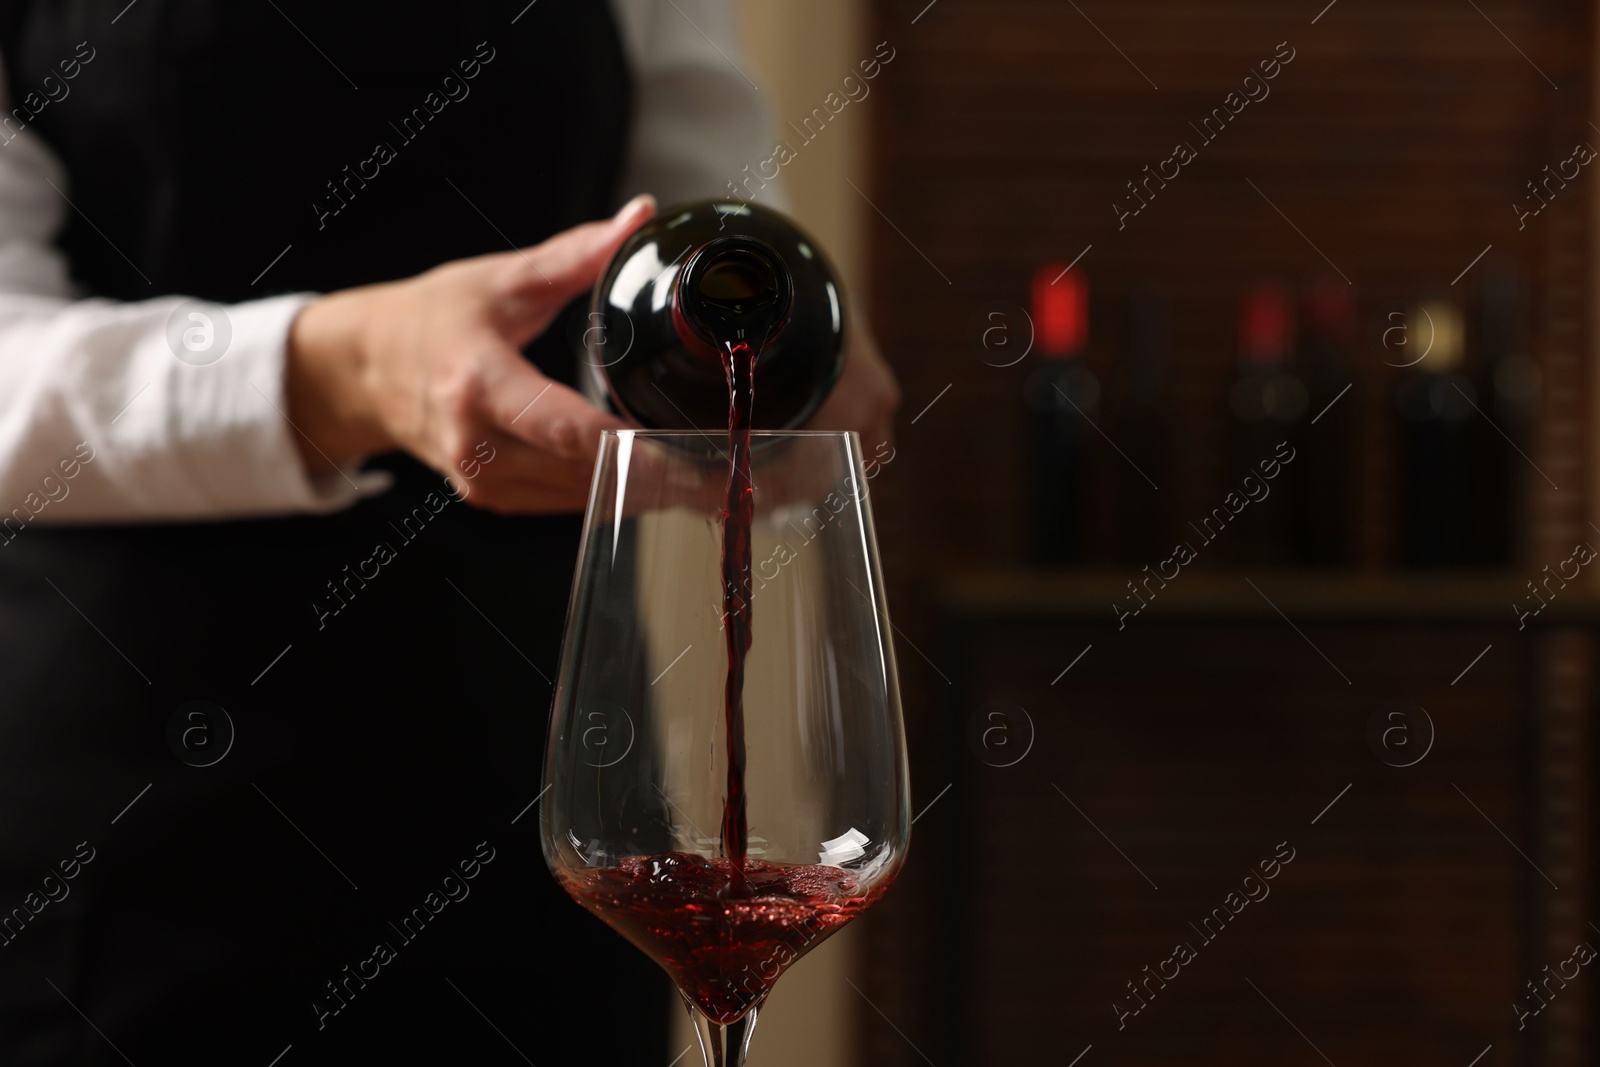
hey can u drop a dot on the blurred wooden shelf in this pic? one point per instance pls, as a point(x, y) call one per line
point(1068, 594)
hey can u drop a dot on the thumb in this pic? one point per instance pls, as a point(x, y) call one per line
point(539, 281)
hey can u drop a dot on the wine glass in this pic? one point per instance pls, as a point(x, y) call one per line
point(637, 767)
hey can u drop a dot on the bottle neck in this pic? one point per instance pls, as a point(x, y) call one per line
point(1266, 328)
point(1437, 326)
point(1060, 312)
point(731, 291)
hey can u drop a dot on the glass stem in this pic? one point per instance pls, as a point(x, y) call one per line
point(724, 1046)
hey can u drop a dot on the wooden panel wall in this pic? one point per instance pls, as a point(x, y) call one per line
point(1403, 928)
point(1393, 145)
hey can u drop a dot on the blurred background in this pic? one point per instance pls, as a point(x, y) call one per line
point(1240, 509)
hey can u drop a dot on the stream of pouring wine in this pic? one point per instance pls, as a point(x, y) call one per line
point(739, 362)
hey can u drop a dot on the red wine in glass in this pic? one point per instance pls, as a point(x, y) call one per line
point(763, 919)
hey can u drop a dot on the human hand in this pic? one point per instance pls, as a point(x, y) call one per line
point(432, 365)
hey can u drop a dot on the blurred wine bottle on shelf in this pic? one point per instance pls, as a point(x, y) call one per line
point(1323, 476)
point(1434, 403)
point(1267, 403)
point(1141, 412)
point(1062, 396)
point(1509, 382)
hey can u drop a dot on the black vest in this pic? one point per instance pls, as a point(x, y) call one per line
point(388, 746)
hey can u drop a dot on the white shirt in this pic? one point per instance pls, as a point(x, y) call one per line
point(92, 387)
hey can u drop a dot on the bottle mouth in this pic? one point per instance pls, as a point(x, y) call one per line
point(735, 289)
point(738, 282)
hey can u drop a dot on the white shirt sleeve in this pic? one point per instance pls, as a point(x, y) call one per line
point(100, 420)
point(698, 118)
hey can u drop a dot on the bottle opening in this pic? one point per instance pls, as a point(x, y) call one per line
point(739, 282)
point(735, 289)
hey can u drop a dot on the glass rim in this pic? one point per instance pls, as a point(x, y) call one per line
point(667, 434)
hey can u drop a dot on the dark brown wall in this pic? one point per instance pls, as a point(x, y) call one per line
point(1396, 141)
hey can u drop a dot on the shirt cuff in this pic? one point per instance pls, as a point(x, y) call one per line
point(269, 444)
point(224, 418)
